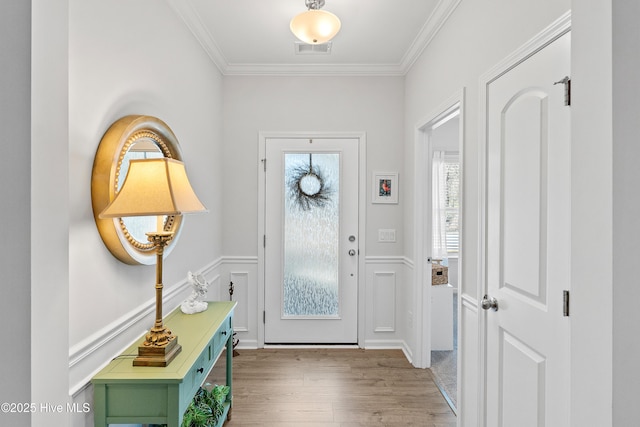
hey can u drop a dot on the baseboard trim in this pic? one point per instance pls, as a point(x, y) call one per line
point(247, 345)
point(294, 346)
point(384, 344)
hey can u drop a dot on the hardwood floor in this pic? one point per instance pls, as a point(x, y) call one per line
point(332, 388)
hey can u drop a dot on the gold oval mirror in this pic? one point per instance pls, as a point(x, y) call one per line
point(131, 137)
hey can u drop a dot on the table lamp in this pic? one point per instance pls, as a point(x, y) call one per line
point(155, 187)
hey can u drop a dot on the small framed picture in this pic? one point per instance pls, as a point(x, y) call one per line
point(385, 187)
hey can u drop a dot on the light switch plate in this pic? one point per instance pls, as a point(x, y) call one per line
point(387, 235)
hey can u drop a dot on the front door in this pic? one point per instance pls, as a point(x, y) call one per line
point(311, 240)
point(528, 242)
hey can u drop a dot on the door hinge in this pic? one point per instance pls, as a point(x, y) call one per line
point(565, 303)
point(264, 317)
point(264, 240)
point(264, 164)
point(567, 89)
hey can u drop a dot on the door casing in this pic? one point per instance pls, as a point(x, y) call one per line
point(423, 242)
point(342, 326)
point(362, 156)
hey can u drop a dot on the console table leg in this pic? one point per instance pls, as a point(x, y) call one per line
point(230, 373)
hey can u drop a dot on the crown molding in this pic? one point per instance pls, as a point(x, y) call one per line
point(313, 70)
point(187, 13)
point(185, 10)
point(438, 17)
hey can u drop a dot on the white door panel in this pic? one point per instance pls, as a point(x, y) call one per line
point(311, 252)
point(528, 242)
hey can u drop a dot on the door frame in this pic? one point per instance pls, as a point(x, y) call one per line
point(548, 35)
point(423, 221)
point(362, 204)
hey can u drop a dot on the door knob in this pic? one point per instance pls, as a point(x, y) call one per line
point(352, 252)
point(489, 303)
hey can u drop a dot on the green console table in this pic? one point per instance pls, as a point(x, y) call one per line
point(127, 394)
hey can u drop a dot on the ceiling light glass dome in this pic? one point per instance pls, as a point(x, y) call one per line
point(315, 26)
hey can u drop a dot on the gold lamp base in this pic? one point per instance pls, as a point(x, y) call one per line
point(160, 346)
point(158, 349)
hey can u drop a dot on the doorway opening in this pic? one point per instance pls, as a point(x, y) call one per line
point(445, 247)
point(439, 177)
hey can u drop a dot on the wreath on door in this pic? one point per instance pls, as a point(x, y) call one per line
point(308, 187)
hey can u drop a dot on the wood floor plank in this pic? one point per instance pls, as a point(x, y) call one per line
point(309, 387)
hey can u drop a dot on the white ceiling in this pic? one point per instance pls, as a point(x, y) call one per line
point(378, 37)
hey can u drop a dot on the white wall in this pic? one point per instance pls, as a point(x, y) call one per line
point(591, 215)
point(462, 51)
point(626, 211)
point(15, 179)
point(373, 105)
point(120, 64)
point(49, 208)
point(123, 58)
point(477, 36)
point(252, 104)
point(446, 136)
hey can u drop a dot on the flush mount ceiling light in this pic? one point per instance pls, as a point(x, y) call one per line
point(315, 26)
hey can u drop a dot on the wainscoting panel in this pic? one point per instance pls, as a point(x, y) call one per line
point(384, 301)
point(215, 290)
point(240, 280)
point(387, 309)
point(243, 272)
point(468, 367)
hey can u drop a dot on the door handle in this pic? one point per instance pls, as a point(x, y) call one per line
point(352, 252)
point(489, 303)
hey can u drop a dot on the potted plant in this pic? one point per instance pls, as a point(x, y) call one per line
point(207, 406)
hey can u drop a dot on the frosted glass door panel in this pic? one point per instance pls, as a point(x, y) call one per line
point(311, 234)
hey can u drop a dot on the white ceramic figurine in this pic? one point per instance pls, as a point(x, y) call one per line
point(194, 303)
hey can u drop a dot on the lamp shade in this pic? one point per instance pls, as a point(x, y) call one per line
point(315, 26)
point(154, 187)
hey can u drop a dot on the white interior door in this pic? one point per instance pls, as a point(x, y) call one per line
point(528, 242)
point(311, 245)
